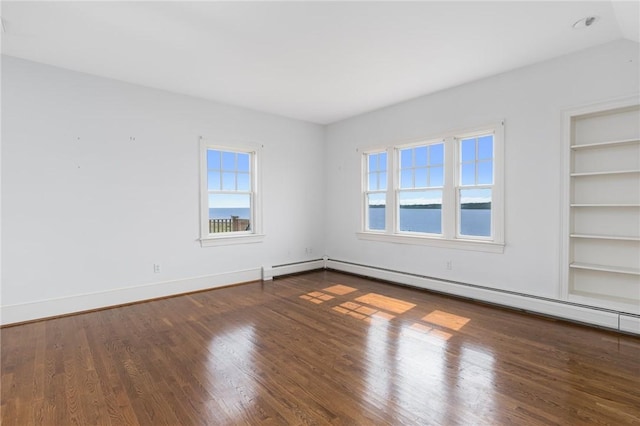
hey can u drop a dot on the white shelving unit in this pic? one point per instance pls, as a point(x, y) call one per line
point(602, 223)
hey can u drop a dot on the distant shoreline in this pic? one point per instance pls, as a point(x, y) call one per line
point(465, 206)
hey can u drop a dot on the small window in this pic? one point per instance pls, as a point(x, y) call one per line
point(229, 195)
point(229, 191)
point(376, 193)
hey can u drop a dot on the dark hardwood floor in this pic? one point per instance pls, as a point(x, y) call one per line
point(318, 348)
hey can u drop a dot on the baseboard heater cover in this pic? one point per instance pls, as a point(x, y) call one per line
point(268, 272)
point(600, 317)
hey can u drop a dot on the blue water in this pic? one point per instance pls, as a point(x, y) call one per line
point(226, 213)
point(475, 222)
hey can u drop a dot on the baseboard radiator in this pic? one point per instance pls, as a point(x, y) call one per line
point(269, 272)
point(621, 321)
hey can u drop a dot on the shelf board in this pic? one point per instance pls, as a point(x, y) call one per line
point(612, 172)
point(606, 144)
point(605, 237)
point(605, 268)
point(604, 205)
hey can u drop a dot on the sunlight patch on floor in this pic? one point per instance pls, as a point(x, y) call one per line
point(316, 297)
point(445, 319)
point(340, 289)
point(360, 312)
point(390, 304)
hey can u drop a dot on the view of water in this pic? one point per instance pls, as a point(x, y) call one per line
point(473, 221)
point(226, 213)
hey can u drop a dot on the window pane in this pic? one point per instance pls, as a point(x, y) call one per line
point(228, 181)
point(485, 147)
point(421, 178)
point(485, 173)
point(244, 182)
point(213, 181)
point(406, 178)
point(229, 213)
point(382, 161)
point(213, 159)
point(406, 158)
point(436, 154)
point(373, 162)
point(243, 162)
point(372, 185)
point(421, 211)
point(421, 156)
point(377, 162)
point(382, 181)
point(228, 161)
point(475, 212)
point(226, 205)
point(436, 176)
point(376, 207)
point(469, 174)
point(468, 149)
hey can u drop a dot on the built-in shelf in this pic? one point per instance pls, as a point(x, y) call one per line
point(606, 144)
point(611, 172)
point(605, 268)
point(603, 253)
point(605, 205)
point(605, 237)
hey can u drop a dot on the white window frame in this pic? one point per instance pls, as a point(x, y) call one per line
point(397, 189)
point(450, 237)
point(254, 235)
point(366, 191)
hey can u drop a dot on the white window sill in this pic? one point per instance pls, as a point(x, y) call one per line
point(474, 245)
point(227, 240)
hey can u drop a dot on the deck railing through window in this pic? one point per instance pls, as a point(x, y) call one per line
point(233, 224)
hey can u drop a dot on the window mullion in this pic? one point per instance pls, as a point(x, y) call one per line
point(449, 188)
point(392, 185)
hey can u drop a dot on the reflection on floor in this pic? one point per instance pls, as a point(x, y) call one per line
point(432, 332)
point(376, 307)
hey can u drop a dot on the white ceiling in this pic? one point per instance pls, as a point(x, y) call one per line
point(315, 61)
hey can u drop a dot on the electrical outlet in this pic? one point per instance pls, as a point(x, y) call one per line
point(156, 268)
point(449, 264)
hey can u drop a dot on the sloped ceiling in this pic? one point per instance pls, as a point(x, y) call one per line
point(315, 61)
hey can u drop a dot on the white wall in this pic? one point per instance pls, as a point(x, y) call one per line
point(531, 101)
point(86, 211)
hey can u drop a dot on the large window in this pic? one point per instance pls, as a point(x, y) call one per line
point(445, 191)
point(229, 194)
point(420, 190)
point(475, 185)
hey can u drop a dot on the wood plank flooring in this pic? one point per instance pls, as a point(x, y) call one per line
point(318, 348)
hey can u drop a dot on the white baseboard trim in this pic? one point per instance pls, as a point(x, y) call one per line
point(268, 272)
point(630, 324)
point(570, 311)
point(40, 309)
